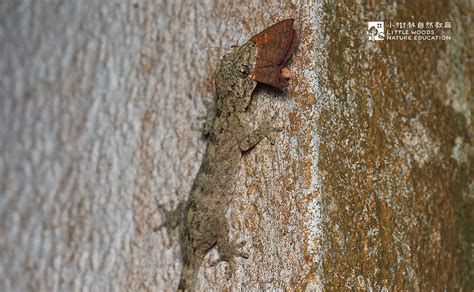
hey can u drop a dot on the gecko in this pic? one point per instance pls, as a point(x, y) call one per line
point(201, 218)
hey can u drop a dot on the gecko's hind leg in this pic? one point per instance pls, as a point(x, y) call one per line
point(229, 250)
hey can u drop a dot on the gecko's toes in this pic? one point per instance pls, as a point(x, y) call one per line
point(243, 255)
point(241, 244)
point(231, 250)
point(238, 250)
point(278, 129)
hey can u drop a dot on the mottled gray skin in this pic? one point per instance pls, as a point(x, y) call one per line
point(202, 217)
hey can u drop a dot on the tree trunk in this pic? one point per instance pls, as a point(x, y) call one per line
point(368, 186)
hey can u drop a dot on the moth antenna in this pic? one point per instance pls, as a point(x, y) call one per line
point(240, 36)
point(238, 40)
point(217, 48)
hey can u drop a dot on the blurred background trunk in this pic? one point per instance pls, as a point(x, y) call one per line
point(368, 186)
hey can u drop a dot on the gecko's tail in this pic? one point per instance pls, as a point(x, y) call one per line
point(189, 273)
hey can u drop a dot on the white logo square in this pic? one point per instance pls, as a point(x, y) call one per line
point(375, 30)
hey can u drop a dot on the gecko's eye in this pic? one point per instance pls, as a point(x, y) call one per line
point(244, 71)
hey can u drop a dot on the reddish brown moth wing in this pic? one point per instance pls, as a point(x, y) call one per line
point(275, 46)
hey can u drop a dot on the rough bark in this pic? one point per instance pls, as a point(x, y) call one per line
point(368, 186)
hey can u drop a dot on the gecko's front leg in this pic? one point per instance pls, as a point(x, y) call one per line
point(265, 130)
point(208, 118)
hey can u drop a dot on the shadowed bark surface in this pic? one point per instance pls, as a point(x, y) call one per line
point(368, 186)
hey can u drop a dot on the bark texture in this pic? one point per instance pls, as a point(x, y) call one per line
point(370, 184)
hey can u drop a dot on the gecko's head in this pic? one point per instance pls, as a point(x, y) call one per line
point(262, 59)
point(234, 83)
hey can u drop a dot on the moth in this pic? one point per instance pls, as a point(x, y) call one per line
point(276, 45)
